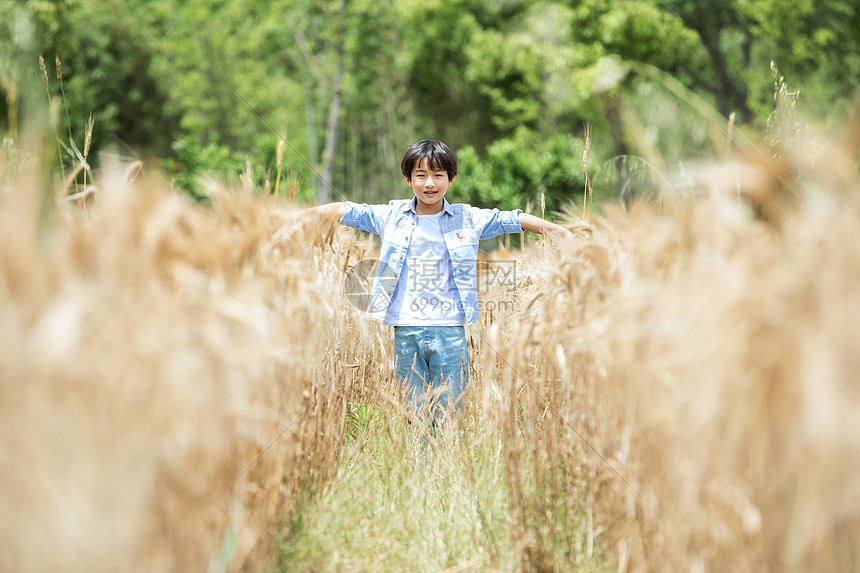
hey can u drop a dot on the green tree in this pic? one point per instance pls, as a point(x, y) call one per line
point(512, 85)
point(103, 62)
point(818, 43)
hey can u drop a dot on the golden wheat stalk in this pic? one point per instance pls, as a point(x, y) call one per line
point(88, 139)
point(59, 66)
point(730, 134)
point(70, 180)
point(131, 172)
point(53, 115)
point(44, 71)
point(280, 160)
point(543, 217)
point(586, 196)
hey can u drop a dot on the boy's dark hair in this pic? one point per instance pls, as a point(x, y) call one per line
point(438, 156)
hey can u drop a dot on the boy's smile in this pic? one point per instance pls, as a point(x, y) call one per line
point(429, 186)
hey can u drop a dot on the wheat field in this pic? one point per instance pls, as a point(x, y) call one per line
point(186, 387)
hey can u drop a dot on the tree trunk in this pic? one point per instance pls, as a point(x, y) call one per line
point(324, 185)
point(310, 117)
point(616, 129)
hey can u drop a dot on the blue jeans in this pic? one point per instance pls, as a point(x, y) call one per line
point(427, 356)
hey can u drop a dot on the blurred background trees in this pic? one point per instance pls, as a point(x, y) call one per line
point(208, 87)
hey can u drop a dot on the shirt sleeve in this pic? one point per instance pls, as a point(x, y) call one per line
point(490, 223)
point(370, 218)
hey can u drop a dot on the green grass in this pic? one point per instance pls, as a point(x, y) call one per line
point(403, 503)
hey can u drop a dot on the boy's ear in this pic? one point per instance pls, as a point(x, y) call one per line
point(408, 180)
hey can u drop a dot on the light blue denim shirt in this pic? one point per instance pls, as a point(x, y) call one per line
point(462, 227)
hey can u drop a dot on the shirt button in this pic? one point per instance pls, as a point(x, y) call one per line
point(413, 222)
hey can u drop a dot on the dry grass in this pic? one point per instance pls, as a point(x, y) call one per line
point(710, 358)
point(150, 352)
point(674, 391)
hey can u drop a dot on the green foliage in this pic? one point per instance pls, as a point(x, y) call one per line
point(206, 85)
point(361, 420)
point(516, 170)
point(435, 64)
point(784, 127)
point(430, 504)
point(101, 63)
point(191, 160)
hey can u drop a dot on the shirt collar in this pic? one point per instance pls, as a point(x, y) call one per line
point(410, 206)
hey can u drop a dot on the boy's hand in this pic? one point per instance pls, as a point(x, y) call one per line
point(295, 219)
point(327, 210)
point(543, 227)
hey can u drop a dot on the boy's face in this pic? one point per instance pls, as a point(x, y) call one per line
point(429, 186)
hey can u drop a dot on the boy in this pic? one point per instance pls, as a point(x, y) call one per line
point(425, 283)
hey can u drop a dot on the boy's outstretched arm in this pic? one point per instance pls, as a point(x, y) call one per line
point(327, 210)
point(294, 220)
point(542, 227)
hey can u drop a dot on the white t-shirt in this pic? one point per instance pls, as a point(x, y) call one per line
point(425, 294)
